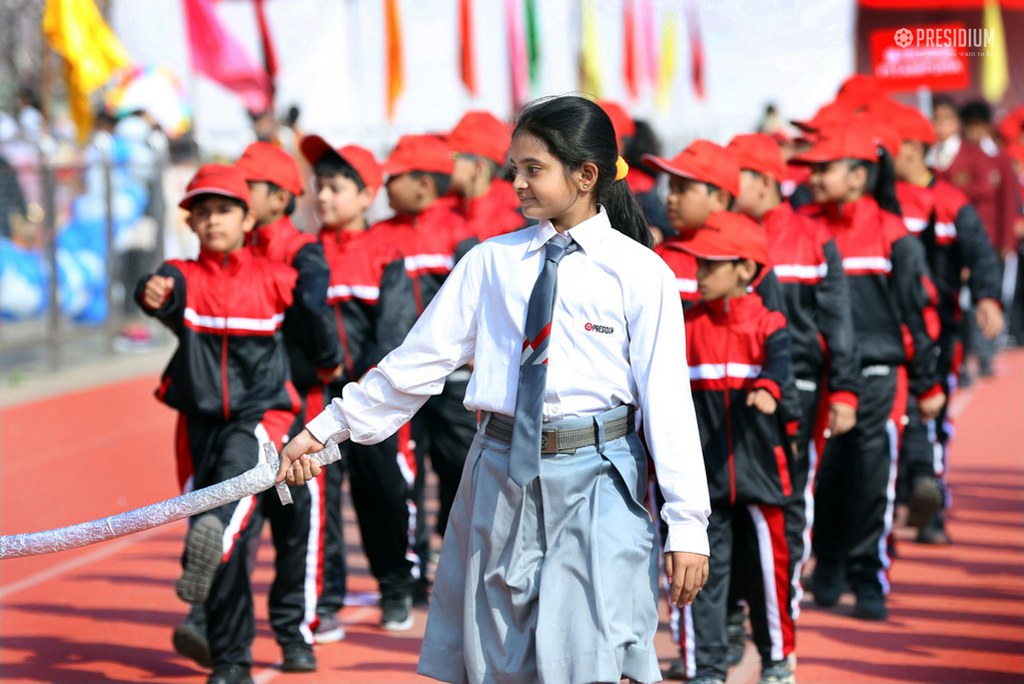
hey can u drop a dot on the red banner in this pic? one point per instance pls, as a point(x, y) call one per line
point(905, 58)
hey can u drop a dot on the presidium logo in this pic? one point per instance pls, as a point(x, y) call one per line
point(946, 37)
point(904, 37)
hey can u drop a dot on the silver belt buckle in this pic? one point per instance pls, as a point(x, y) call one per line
point(549, 442)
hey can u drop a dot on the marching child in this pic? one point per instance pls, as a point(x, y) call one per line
point(430, 235)
point(489, 204)
point(315, 354)
point(549, 568)
point(371, 297)
point(826, 365)
point(738, 353)
point(230, 383)
point(853, 184)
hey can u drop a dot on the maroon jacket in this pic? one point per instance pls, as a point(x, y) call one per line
point(990, 186)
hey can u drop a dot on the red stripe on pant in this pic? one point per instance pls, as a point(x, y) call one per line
point(776, 522)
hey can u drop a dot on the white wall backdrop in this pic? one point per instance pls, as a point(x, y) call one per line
point(331, 54)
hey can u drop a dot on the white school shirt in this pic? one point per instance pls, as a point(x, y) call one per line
point(617, 338)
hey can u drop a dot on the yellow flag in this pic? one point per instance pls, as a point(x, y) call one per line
point(995, 70)
point(75, 29)
point(590, 51)
point(667, 72)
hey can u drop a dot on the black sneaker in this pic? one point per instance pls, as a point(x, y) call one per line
point(737, 643)
point(298, 658)
point(189, 638)
point(230, 674)
point(777, 672)
point(827, 583)
point(395, 612)
point(329, 629)
point(926, 500)
point(933, 534)
point(421, 592)
point(870, 605)
point(204, 548)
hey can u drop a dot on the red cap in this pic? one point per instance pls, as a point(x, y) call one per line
point(426, 153)
point(623, 123)
point(910, 124)
point(859, 88)
point(264, 162)
point(1011, 126)
point(759, 152)
point(851, 139)
point(216, 179)
point(359, 158)
point(702, 161)
point(483, 134)
point(830, 114)
point(726, 236)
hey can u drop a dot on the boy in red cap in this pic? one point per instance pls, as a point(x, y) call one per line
point(229, 380)
point(826, 364)
point(954, 239)
point(896, 327)
point(371, 297)
point(430, 236)
point(480, 143)
point(315, 355)
point(738, 353)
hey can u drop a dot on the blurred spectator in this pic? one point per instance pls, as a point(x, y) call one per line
point(30, 119)
point(13, 210)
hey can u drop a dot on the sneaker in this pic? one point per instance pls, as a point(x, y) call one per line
point(676, 670)
point(737, 643)
point(925, 501)
point(777, 672)
point(932, 534)
point(230, 674)
point(421, 592)
point(204, 548)
point(870, 605)
point(298, 658)
point(189, 638)
point(827, 583)
point(328, 630)
point(395, 613)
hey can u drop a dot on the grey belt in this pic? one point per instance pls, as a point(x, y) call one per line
point(564, 441)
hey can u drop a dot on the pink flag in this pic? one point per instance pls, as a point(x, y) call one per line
point(517, 52)
point(649, 38)
point(217, 54)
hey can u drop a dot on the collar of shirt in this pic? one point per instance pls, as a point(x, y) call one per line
point(589, 234)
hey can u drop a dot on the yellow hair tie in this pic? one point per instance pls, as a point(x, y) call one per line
point(621, 169)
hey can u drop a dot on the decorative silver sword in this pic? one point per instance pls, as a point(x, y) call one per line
point(249, 483)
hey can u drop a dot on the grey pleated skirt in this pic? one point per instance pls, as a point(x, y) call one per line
point(556, 583)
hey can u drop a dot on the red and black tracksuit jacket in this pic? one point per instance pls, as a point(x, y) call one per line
point(371, 297)
point(817, 301)
point(954, 238)
point(734, 346)
point(310, 329)
point(496, 212)
point(891, 291)
point(227, 311)
point(430, 243)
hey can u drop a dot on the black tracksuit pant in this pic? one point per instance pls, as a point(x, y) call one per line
point(750, 552)
point(444, 429)
point(856, 484)
point(218, 451)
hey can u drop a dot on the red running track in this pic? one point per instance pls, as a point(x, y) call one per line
point(105, 613)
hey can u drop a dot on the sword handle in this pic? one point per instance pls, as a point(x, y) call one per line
point(328, 456)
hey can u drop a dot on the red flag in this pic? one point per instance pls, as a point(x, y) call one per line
point(696, 51)
point(393, 55)
point(269, 53)
point(629, 50)
point(467, 71)
point(214, 52)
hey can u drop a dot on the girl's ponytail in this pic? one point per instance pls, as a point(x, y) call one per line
point(885, 185)
point(576, 130)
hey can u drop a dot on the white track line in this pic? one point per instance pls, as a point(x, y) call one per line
point(57, 570)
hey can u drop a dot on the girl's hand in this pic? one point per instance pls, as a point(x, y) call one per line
point(687, 572)
point(762, 400)
point(296, 466)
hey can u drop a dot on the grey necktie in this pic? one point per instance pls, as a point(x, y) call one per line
point(524, 457)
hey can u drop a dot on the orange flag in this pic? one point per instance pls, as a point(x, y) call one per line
point(468, 73)
point(393, 55)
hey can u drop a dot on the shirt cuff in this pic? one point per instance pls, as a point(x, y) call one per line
point(841, 397)
point(327, 430)
point(688, 538)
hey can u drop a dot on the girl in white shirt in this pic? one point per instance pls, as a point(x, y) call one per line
point(554, 579)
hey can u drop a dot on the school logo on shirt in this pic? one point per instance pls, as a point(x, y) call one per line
point(603, 329)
